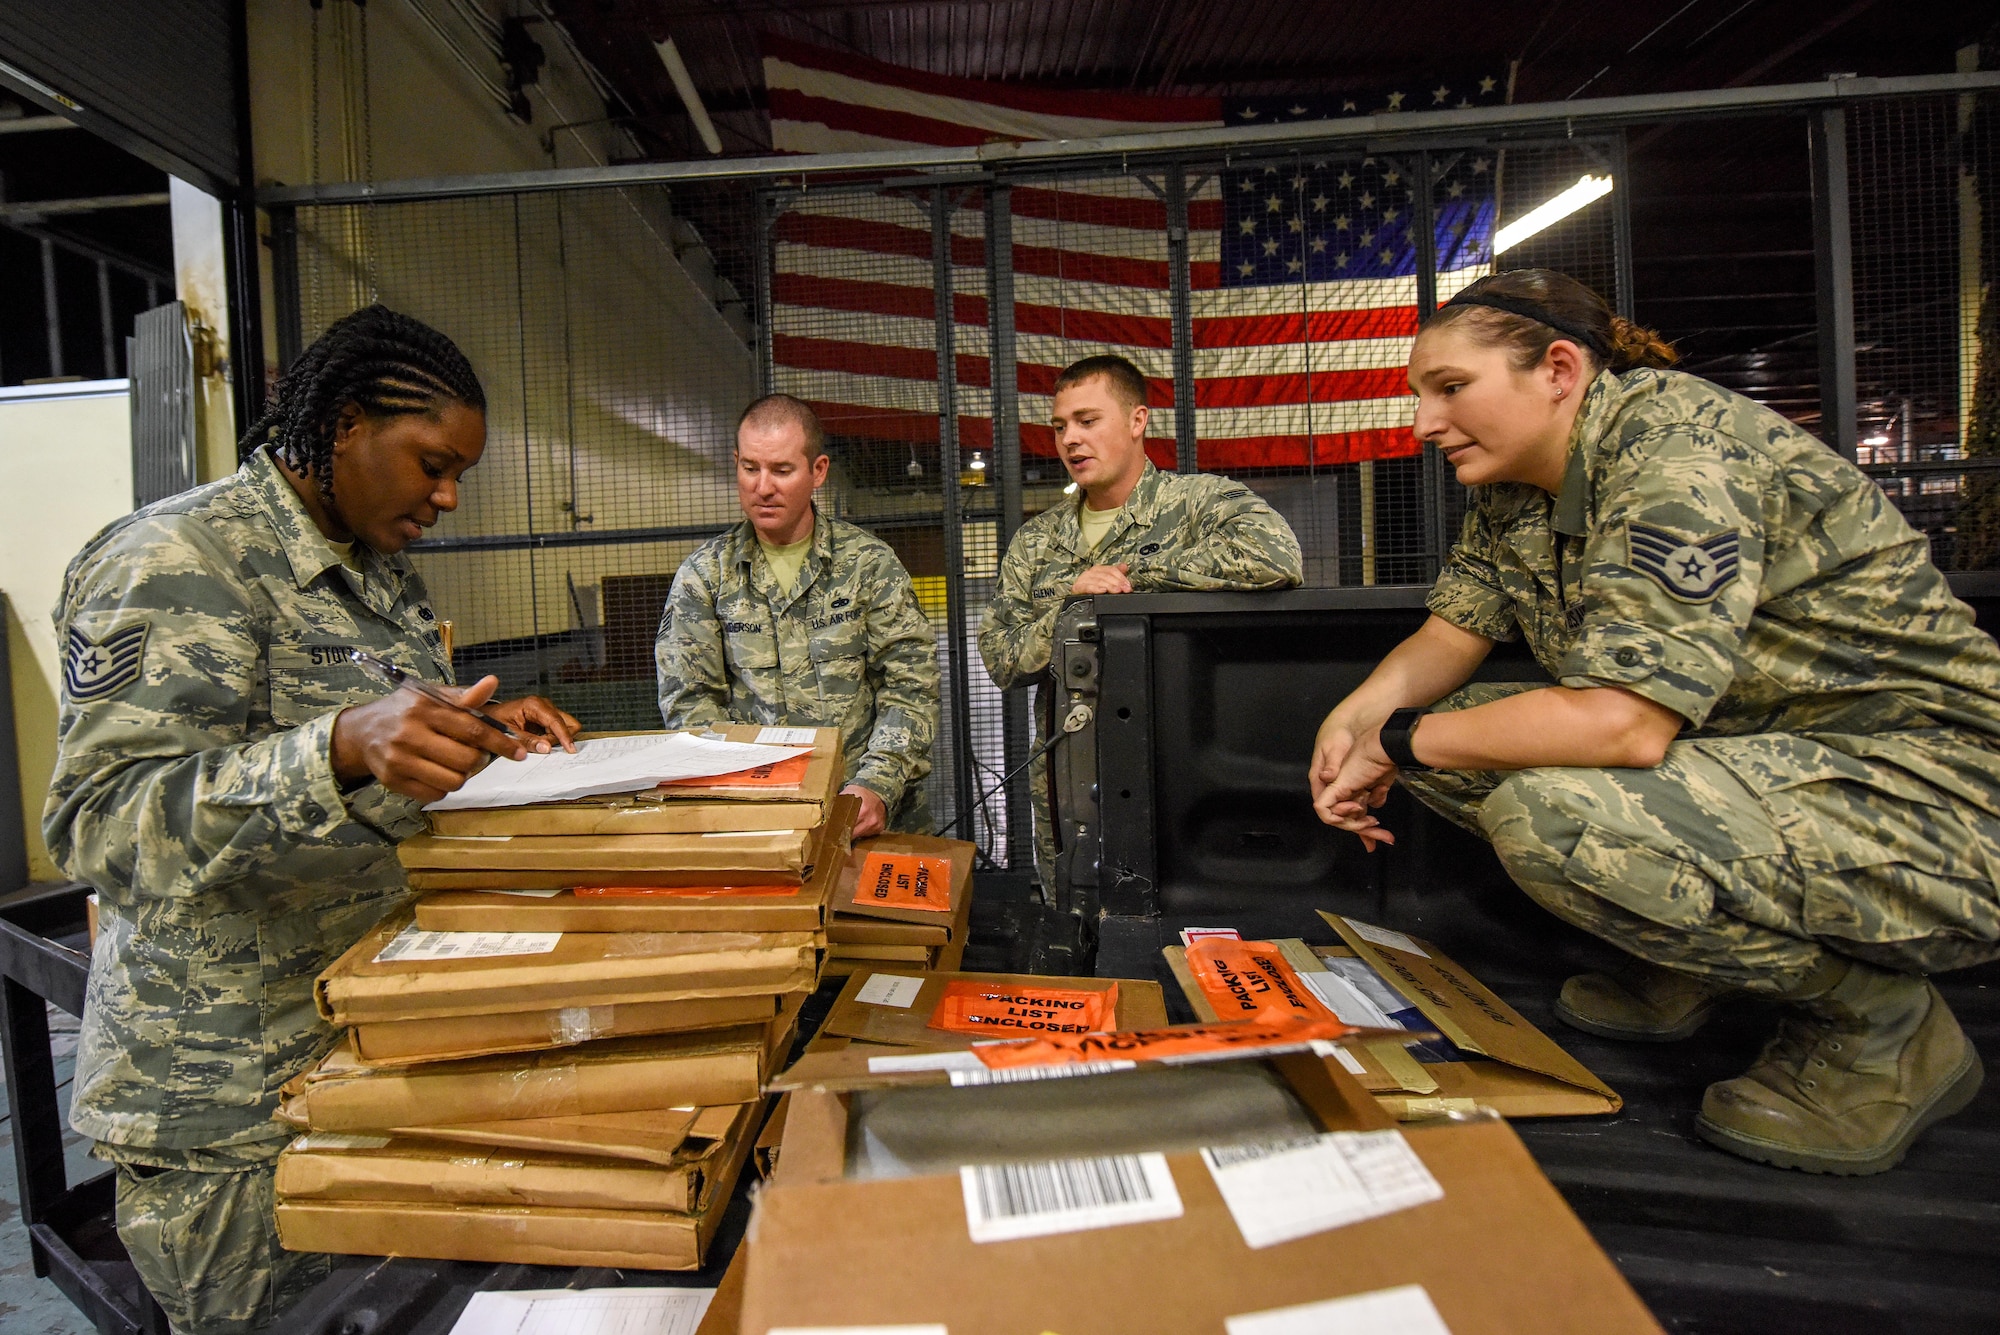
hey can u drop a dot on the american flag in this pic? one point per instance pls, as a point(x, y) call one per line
point(1302, 275)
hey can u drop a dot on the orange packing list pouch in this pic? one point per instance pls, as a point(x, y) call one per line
point(1180, 1043)
point(904, 881)
point(788, 773)
point(988, 1008)
point(1250, 980)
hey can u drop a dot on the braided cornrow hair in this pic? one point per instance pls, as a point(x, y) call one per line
point(380, 360)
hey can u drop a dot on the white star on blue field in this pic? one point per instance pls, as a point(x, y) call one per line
point(1326, 218)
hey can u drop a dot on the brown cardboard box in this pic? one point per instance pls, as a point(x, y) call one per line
point(1498, 1253)
point(772, 856)
point(659, 1136)
point(544, 1235)
point(682, 809)
point(612, 1075)
point(583, 969)
point(804, 908)
point(337, 1166)
point(402, 1042)
point(1525, 1075)
point(1141, 1005)
point(884, 924)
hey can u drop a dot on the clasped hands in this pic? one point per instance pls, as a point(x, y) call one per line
point(1351, 776)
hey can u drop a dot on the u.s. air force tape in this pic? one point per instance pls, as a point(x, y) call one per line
point(1693, 571)
point(93, 669)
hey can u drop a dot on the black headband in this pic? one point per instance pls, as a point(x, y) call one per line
point(1529, 311)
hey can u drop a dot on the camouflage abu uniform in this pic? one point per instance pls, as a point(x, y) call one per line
point(1837, 784)
point(206, 640)
point(845, 647)
point(1174, 533)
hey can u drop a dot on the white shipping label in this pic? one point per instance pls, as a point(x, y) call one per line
point(1350, 1003)
point(526, 894)
point(1382, 936)
point(1407, 1310)
point(925, 1061)
point(1005, 1201)
point(338, 1140)
point(785, 737)
point(1323, 1048)
point(858, 1330)
point(1008, 1075)
point(889, 989)
point(1291, 1189)
point(415, 944)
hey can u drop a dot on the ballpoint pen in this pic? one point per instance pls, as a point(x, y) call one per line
point(382, 670)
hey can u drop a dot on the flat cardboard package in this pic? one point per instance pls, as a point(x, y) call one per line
point(1491, 1057)
point(510, 1234)
point(682, 808)
point(342, 1166)
point(860, 919)
point(404, 1042)
point(612, 1075)
point(580, 969)
point(1140, 1005)
point(801, 908)
point(659, 1136)
point(1498, 1252)
point(768, 857)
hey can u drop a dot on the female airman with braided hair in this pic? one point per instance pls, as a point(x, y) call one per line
point(1769, 763)
point(233, 786)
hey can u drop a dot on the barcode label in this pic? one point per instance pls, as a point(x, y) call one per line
point(412, 943)
point(1289, 1189)
point(1031, 1200)
point(1007, 1075)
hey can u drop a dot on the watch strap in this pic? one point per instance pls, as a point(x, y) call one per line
point(1396, 732)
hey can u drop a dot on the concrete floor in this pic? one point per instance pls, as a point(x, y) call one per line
point(30, 1306)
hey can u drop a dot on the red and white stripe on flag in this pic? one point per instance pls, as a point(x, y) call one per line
point(1285, 376)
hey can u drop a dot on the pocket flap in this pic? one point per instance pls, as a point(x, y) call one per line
point(1651, 884)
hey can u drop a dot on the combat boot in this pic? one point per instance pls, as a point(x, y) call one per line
point(1851, 1081)
point(1641, 1002)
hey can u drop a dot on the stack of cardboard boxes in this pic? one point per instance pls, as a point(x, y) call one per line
point(904, 901)
point(557, 1055)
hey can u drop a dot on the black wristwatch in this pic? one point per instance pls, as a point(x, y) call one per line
point(1396, 733)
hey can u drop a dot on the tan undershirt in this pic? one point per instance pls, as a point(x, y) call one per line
point(785, 561)
point(1096, 524)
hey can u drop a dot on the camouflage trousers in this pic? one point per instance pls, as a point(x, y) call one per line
point(1743, 859)
point(205, 1239)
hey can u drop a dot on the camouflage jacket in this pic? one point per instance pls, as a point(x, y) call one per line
point(845, 647)
point(1708, 554)
point(205, 641)
point(1174, 532)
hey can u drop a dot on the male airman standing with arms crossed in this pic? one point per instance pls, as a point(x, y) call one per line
point(793, 617)
point(1130, 528)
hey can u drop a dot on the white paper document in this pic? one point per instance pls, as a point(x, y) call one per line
point(1278, 1192)
point(1004, 1201)
point(1406, 1310)
point(585, 1312)
point(889, 989)
point(608, 765)
point(1382, 936)
point(413, 943)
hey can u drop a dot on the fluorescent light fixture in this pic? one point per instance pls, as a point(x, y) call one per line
point(978, 464)
point(677, 70)
point(1875, 440)
point(1586, 189)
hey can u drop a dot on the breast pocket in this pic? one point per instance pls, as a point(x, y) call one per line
point(310, 678)
point(840, 662)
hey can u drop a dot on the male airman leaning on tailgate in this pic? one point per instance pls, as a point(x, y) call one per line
point(1130, 528)
point(233, 788)
point(793, 617)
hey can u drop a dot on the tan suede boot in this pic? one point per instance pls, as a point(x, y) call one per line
point(1641, 1002)
point(1848, 1084)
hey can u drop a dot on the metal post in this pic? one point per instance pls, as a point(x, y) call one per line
point(1180, 305)
point(1833, 259)
point(1014, 736)
point(1621, 224)
point(767, 370)
point(104, 320)
point(285, 286)
point(954, 538)
point(51, 313)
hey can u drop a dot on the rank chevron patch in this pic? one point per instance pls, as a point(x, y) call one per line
point(93, 669)
point(1693, 572)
